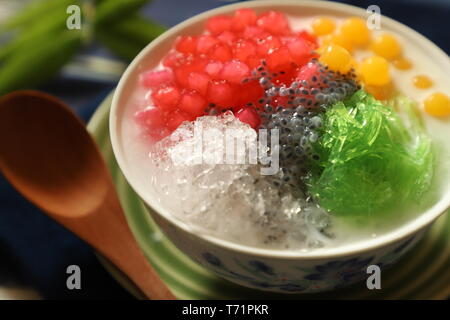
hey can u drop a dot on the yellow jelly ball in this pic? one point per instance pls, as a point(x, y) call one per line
point(323, 26)
point(437, 104)
point(337, 39)
point(356, 31)
point(357, 67)
point(422, 82)
point(353, 65)
point(375, 71)
point(386, 46)
point(402, 64)
point(342, 41)
point(336, 58)
point(381, 92)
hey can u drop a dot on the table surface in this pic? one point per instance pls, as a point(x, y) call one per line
point(35, 251)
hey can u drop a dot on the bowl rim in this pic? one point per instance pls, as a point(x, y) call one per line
point(394, 236)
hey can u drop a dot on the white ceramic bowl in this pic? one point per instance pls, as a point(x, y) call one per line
point(277, 270)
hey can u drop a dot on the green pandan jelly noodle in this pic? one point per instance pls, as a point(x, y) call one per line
point(370, 160)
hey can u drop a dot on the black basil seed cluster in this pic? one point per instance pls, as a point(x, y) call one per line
point(323, 89)
point(300, 119)
point(298, 130)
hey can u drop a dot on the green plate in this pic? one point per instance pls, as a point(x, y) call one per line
point(422, 274)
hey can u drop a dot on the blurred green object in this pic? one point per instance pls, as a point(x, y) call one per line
point(39, 63)
point(110, 11)
point(35, 11)
point(53, 24)
point(129, 36)
point(39, 43)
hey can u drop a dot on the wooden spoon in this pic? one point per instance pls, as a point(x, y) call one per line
point(47, 155)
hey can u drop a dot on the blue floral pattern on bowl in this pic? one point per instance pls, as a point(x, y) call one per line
point(333, 274)
point(343, 271)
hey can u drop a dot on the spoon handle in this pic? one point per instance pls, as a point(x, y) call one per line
point(141, 272)
point(113, 238)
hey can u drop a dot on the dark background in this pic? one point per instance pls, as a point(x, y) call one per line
point(35, 251)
